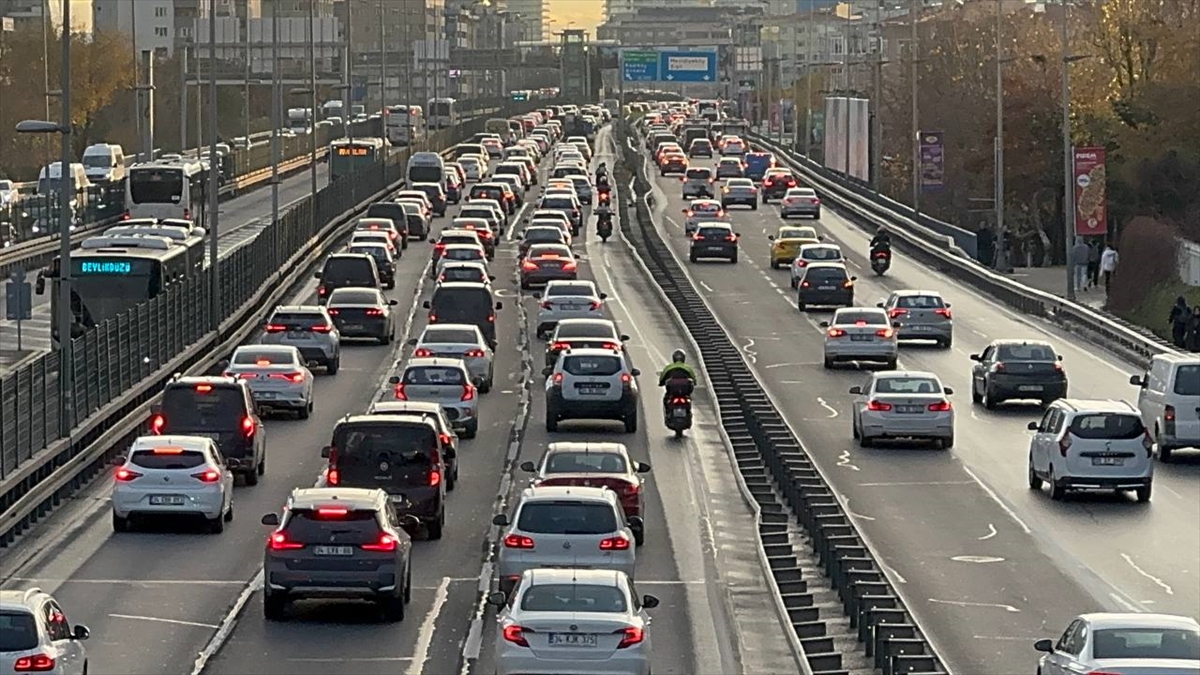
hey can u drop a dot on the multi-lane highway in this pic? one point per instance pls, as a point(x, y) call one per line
point(986, 564)
point(241, 219)
point(155, 600)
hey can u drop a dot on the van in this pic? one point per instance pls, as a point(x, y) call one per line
point(1169, 401)
point(50, 179)
point(343, 270)
point(404, 455)
point(425, 167)
point(499, 125)
point(465, 302)
point(104, 163)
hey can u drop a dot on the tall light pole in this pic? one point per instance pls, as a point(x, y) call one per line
point(312, 84)
point(348, 68)
point(1068, 152)
point(137, 79)
point(1001, 243)
point(246, 78)
point(846, 79)
point(214, 275)
point(877, 119)
point(808, 75)
point(276, 112)
point(915, 9)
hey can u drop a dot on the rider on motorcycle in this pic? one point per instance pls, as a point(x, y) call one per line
point(678, 377)
point(602, 174)
point(882, 241)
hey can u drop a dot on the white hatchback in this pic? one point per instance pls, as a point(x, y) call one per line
point(173, 476)
point(458, 341)
point(1091, 445)
point(814, 253)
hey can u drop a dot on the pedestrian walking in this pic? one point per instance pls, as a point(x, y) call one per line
point(1108, 264)
point(1193, 338)
point(1094, 254)
point(1180, 315)
point(1079, 261)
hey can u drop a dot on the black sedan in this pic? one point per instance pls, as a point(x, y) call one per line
point(363, 313)
point(1017, 369)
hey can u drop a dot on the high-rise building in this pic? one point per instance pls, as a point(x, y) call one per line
point(614, 8)
point(531, 18)
point(150, 22)
point(29, 13)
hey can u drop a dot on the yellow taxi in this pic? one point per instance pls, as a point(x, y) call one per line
point(786, 243)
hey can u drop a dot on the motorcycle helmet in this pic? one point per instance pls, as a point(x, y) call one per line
point(678, 356)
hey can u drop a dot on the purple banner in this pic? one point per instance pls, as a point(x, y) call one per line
point(933, 161)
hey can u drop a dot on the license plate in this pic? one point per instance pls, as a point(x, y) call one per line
point(908, 409)
point(827, 288)
point(333, 550)
point(679, 412)
point(296, 335)
point(920, 329)
point(1030, 387)
point(352, 326)
point(712, 248)
point(572, 639)
point(166, 500)
point(861, 338)
point(264, 394)
point(1108, 461)
point(591, 391)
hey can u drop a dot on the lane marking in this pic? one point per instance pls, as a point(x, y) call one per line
point(790, 364)
point(352, 659)
point(996, 498)
point(155, 619)
point(887, 568)
point(1002, 637)
point(981, 559)
point(844, 460)
point(1158, 582)
point(990, 534)
point(134, 582)
point(917, 483)
point(425, 636)
point(707, 287)
point(832, 412)
point(1127, 605)
point(991, 605)
point(748, 348)
point(228, 622)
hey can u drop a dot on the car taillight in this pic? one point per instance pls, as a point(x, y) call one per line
point(207, 476)
point(278, 541)
point(334, 312)
point(560, 346)
point(570, 265)
point(421, 352)
point(321, 328)
point(941, 406)
point(125, 475)
point(248, 426)
point(516, 635)
point(333, 476)
point(614, 544)
point(432, 317)
point(35, 663)
point(557, 379)
point(1064, 445)
point(398, 390)
point(998, 367)
point(1169, 413)
point(632, 489)
point(321, 290)
point(897, 312)
point(884, 333)
point(529, 265)
point(157, 424)
point(546, 304)
point(468, 393)
point(730, 237)
point(626, 379)
point(630, 636)
point(274, 328)
point(126, 216)
point(697, 237)
point(835, 333)
point(768, 183)
point(518, 541)
point(475, 353)
point(848, 284)
point(804, 284)
point(386, 543)
point(878, 406)
point(1102, 672)
point(943, 312)
point(374, 312)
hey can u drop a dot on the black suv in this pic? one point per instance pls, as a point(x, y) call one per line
point(220, 408)
point(404, 455)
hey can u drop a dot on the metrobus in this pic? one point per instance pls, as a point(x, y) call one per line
point(167, 190)
point(347, 157)
point(443, 113)
point(403, 124)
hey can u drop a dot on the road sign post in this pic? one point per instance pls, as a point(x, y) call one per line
point(18, 301)
point(640, 65)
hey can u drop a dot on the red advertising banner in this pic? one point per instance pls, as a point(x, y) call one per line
point(1091, 202)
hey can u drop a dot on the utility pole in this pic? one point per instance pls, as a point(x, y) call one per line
point(66, 353)
point(183, 98)
point(1068, 153)
point(915, 9)
point(808, 75)
point(1001, 243)
point(877, 104)
point(214, 269)
point(846, 79)
point(46, 67)
point(312, 85)
point(246, 78)
point(383, 106)
point(276, 111)
point(137, 80)
point(349, 69)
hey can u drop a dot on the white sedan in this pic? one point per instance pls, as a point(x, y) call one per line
point(568, 300)
point(458, 341)
point(277, 375)
point(1145, 644)
point(172, 476)
point(580, 621)
point(903, 404)
point(860, 334)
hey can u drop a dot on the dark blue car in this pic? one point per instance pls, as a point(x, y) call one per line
point(757, 164)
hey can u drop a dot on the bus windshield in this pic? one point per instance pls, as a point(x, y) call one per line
point(440, 108)
point(156, 186)
point(425, 174)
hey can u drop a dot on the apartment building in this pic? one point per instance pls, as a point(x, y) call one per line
point(150, 22)
point(531, 16)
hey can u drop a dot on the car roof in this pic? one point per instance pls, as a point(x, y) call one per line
point(204, 379)
point(1102, 620)
point(197, 443)
point(909, 292)
point(704, 202)
point(20, 599)
point(377, 418)
point(821, 244)
point(1010, 343)
point(559, 492)
point(315, 309)
point(902, 374)
point(434, 361)
point(591, 577)
point(459, 232)
point(464, 285)
point(350, 256)
point(1190, 359)
point(570, 282)
point(1096, 405)
point(716, 224)
point(833, 264)
point(871, 310)
point(266, 348)
point(357, 499)
point(600, 447)
point(591, 351)
point(580, 322)
point(473, 247)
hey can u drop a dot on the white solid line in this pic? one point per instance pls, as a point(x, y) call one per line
point(899, 579)
point(996, 498)
point(1127, 605)
point(917, 483)
point(156, 619)
point(1158, 582)
point(425, 636)
point(960, 603)
point(227, 624)
point(991, 533)
point(134, 582)
point(361, 659)
point(706, 287)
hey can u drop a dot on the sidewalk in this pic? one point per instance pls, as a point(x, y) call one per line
point(1054, 280)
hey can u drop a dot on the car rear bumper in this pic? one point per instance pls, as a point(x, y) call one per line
point(460, 416)
point(744, 201)
point(330, 584)
point(574, 408)
point(207, 503)
point(826, 298)
point(1105, 482)
point(515, 660)
point(842, 349)
point(877, 425)
point(1011, 387)
point(546, 276)
point(280, 398)
point(367, 328)
point(814, 211)
point(925, 332)
point(712, 251)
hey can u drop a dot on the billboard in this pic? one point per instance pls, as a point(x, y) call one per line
point(933, 160)
point(847, 136)
point(1091, 207)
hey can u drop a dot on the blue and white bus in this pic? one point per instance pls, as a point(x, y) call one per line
point(161, 190)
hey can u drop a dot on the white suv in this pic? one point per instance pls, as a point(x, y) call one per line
point(591, 384)
point(1091, 445)
point(37, 636)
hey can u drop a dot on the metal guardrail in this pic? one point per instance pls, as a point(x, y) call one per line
point(121, 365)
point(781, 477)
point(940, 252)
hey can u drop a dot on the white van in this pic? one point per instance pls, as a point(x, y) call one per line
point(104, 163)
point(426, 167)
point(1169, 401)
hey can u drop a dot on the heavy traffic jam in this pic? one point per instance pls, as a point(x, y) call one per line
point(477, 284)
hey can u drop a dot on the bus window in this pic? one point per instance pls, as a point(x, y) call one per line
point(156, 186)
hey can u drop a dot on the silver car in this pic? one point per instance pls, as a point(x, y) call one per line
point(564, 526)
point(739, 191)
point(573, 621)
point(814, 253)
point(568, 300)
point(277, 376)
point(455, 253)
point(922, 315)
point(903, 404)
point(459, 341)
point(447, 382)
point(1136, 644)
point(465, 271)
point(309, 328)
point(800, 201)
point(703, 211)
point(860, 334)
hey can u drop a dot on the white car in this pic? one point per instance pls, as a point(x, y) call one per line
point(1091, 445)
point(459, 341)
point(8, 193)
point(814, 253)
point(37, 638)
point(1169, 400)
point(861, 334)
point(568, 300)
point(903, 404)
point(277, 375)
point(454, 253)
point(573, 621)
point(465, 271)
point(173, 476)
point(703, 211)
point(1141, 644)
point(373, 237)
point(447, 382)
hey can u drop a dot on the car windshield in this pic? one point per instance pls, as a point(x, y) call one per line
point(434, 375)
point(477, 213)
point(715, 231)
point(699, 173)
point(1187, 380)
point(907, 385)
point(1120, 426)
point(1026, 352)
point(574, 598)
point(374, 250)
point(869, 318)
point(464, 273)
point(18, 631)
point(1146, 643)
point(434, 335)
point(543, 234)
point(739, 183)
point(300, 320)
point(566, 517)
point(557, 203)
point(449, 239)
point(464, 253)
point(822, 253)
point(826, 274)
point(568, 330)
point(592, 365)
point(351, 527)
point(194, 406)
point(167, 459)
point(586, 462)
point(570, 289)
point(353, 296)
point(797, 233)
point(706, 207)
point(920, 302)
point(264, 356)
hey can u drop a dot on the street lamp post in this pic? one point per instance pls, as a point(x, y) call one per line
point(1001, 243)
point(312, 84)
point(1068, 153)
point(214, 271)
point(913, 10)
point(808, 75)
point(276, 113)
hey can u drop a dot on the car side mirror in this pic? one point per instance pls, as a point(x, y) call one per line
point(499, 305)
point(393, 303)
point(395, 379)
point(223, 363)
point(120, 459)
point(636, 523)
point(949, 391)
point(624, 338)
point(1032, 426)
point(427, 305)
point(497, 599)
point(853, 278)
point(856, 390)
point(824, 324)
point(537, 295)
point(548, 371)
point(491, 277)
point(432, 241)
point(410, 524)
point(649, 601)
point(1137, 381)
point(478, 382)
point(412, 342)
point(947, 305)
point(635, 372)
point(770, 237)
point(820, 237)
point(604, 296)
point(1060, 357)
point(1044, 645)
point(317, 274)
point(895, 324)
point(879, 305)
point(80, 632)
point(271, 519)
point(325, 452)
point(528, 467)
point(500, 519)
point(976, 357)
point(642, 467)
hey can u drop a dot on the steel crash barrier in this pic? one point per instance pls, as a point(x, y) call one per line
point(782, 478)
point(121, 365)
point(940, 250)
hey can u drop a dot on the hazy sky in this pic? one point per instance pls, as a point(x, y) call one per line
point(587, 14)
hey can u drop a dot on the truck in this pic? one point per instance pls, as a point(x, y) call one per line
point(333, 108)
point(300, 120)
